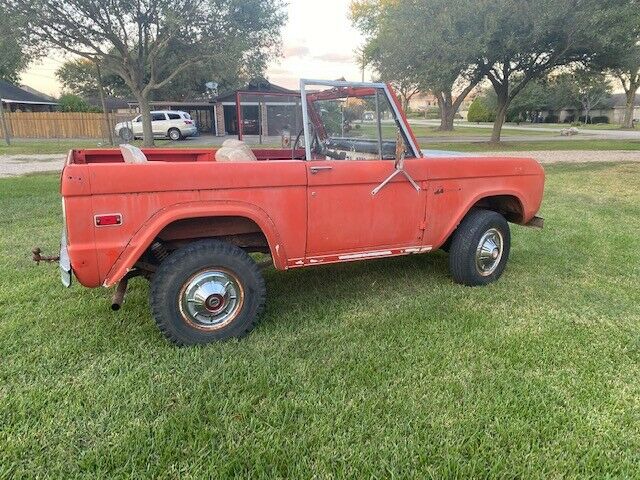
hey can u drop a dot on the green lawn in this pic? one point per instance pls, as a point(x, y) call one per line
point(593, 145)
point(381, 369)
point(389, 131)
point(599, 126)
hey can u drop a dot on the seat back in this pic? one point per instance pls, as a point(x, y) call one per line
point(132, 154)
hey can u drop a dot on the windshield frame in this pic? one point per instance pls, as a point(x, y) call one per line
point(385, 88)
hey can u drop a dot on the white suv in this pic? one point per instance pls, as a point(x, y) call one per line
point(165, 123)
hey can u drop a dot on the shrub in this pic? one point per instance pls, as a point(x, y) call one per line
point(73, 103)
point(479, 111)
point(552, 119)
point(599, 119)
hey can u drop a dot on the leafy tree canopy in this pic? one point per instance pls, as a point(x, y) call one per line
point(16, 48)
point(152, 43)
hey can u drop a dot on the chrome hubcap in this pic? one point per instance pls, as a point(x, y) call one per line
point(489, 252)
point(211, 299)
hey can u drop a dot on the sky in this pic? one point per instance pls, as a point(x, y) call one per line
point(318, 42)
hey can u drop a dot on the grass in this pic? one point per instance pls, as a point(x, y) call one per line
point(380, 369)
point(599, 126)
point(431, 131)
point(519, 146)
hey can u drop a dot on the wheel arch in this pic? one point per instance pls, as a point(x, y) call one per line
point(191, 214)
point(508, 204)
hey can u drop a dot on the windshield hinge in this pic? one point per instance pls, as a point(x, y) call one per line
point(399, 170)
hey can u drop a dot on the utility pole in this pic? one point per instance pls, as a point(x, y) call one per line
point(3, 124)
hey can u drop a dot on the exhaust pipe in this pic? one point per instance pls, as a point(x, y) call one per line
point(118, 296)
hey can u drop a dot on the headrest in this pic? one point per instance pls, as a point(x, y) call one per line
point(235, 151)
point(132, 154)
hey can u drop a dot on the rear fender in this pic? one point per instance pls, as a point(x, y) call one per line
point(145, 235)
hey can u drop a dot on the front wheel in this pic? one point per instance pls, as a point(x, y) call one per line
point(480, 248)
point(207, 291)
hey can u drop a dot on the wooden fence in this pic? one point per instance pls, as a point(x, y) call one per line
point(60, 124)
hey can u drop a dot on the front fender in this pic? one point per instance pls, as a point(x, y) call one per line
point(145, 235)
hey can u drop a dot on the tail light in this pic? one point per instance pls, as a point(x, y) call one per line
point(188, 122)
point(108, 220)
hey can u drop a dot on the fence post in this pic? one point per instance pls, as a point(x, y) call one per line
point(3, 124)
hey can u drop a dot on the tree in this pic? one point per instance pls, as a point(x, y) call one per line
point(439, 59)
point(533, 99)
point(619, 54)
point(70, 102)
point(526, 39)
point(131, 39)
point(80, 76)
point(15, 45)
point(592, 89)
point(480, 111)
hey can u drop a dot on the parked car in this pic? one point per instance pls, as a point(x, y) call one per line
point(187, 220)
point(171, 124)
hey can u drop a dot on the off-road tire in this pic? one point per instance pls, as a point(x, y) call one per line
point(174, 273)
point(466, 239)
point(174, 134)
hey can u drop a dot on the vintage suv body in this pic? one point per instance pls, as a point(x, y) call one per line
point(348, 188)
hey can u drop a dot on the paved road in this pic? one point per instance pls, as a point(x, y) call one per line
point(16, 165)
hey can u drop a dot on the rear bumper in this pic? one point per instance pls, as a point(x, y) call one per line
point(189, 132)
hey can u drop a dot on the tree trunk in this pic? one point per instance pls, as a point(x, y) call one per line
point(103, 101)
point(447, 111)
point(3, 124)
point(501, 116)
point(449, 107)
point(147, 130)
point(630, 106)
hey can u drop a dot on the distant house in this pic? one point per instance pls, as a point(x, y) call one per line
point(427, 102)
point(267, 116)
point(17, 99)
point(219, 115)
point(614, 109)
point(114, 104)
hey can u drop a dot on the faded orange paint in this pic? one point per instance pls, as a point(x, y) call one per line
point(308, 217)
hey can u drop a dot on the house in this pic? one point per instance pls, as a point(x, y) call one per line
point(219, 115)
point(427, 102)
point(17, 99)
point(113, 104)
point(266, 113)
point(614, 109)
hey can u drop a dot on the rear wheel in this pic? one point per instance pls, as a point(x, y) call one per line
point(175, 134)
point(207, 291)
point(126, 134)
point(480, 248)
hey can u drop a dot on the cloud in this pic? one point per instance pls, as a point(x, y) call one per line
point(297, 51)
point(335, 57)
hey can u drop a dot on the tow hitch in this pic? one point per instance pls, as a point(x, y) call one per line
point(38, 257)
